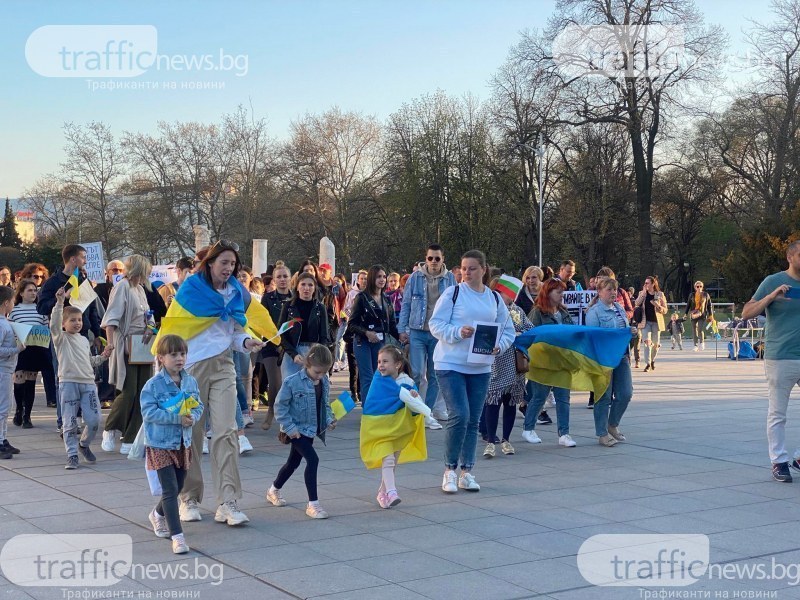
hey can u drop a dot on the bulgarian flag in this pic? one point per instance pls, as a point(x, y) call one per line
point(287, 326)
point(508, 286)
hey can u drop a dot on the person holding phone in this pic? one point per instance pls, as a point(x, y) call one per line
point(654, 307)
point(779, 296)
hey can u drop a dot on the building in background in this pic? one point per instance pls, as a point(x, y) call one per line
point(24, 226)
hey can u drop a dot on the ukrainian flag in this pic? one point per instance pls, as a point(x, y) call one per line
point(574, 357)
point(197, 306)
point(73, 281)
point(387, 426)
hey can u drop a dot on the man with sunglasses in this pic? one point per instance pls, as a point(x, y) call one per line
point(422, 290)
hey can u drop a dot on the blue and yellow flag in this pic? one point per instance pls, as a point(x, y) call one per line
point(342, 405)
point(574, 357)
point(73, 281)
point(388, 426)
point(181, 403)
point(197, 306)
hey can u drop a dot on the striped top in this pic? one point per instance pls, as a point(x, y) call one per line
point(26, 313)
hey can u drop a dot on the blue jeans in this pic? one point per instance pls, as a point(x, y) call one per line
point(537, 401)
point(366, 354)
point(609, 409)
point(422, 345)
point(464, 395)
point(338, 345)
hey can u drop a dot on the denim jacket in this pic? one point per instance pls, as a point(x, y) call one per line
point(601, 315)
point(415, 299)
point(296, 405)
point(162, 428)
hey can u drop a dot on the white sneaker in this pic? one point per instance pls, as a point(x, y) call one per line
point(531, 437)
point(125, 448)
point(431, 423)
point(244, 445)
point(190, 511)
point(109, 441)
point(566, 440)
point(551, 401)
point(702, 345)
point(696, 349)
point(205, 446)
point(489, 451)
point(467, 482)
point(450, 482)
point(441, 415)
point(275, 497)
point(228, 512)
point(248, 420)
point(179, 545)
point(316, 511)
point(159, 523)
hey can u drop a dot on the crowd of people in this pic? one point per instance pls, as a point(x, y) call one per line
point(405, 341)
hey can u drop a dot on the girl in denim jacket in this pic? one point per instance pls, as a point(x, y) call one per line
point(168, 434)
point(303, 411)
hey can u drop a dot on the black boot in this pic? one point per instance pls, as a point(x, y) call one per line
point(19, 398)
point(26, 417)
point(18, 414)
point(6, 447)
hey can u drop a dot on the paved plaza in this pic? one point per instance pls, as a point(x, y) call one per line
point(695, 463)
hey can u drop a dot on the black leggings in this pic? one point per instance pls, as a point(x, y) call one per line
point(171, 479)
point(492, 414)
point(302, 447)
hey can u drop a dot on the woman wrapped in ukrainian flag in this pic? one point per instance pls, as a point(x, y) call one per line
point(392, 425)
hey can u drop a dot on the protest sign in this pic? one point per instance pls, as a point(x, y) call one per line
point(95, 262)
point(577, 302)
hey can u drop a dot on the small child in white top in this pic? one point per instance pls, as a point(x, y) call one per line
point(76, 386)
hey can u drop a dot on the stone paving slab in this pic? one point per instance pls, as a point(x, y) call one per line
point(695, 463)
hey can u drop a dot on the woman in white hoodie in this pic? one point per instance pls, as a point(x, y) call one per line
point(463, 380)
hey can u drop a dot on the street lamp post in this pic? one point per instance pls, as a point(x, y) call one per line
point(539, 152)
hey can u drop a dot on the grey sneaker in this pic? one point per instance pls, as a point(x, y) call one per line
point(228, 512)
point(87, 454)
point(179, 545)
point(159, 524)
point(467, 482)
point(72, 462)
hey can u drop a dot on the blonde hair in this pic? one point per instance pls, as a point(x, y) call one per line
point(137, 266)
point(533, 271)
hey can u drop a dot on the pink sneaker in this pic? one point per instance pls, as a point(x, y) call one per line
point(392, 498)
point(383, 500)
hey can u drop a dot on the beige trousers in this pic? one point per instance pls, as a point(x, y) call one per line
point(216, 378)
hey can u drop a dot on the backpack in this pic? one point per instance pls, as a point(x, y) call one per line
point(458, 288)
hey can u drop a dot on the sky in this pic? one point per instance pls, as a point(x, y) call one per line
point(300, 56)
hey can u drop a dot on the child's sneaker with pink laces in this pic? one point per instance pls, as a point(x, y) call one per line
point(383, 500)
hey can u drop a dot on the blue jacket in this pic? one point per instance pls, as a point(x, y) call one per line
point(415, 299)
point(296, 405)
point(600, 315)
point(162, 429)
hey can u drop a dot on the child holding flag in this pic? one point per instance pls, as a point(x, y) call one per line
point(303, 411)
point(389, 430)
point(171, 405)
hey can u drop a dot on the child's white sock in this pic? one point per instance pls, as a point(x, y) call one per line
point(314, 503)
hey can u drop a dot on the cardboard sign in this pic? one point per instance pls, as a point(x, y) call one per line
point(95, 262)
point(32, 335)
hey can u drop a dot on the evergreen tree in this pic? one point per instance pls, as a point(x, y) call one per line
point(9, 238)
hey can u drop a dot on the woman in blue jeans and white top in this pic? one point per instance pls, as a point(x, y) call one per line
point(609, 409)
point(463, 383)
point(549, 310)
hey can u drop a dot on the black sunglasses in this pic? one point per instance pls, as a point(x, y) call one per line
point(227, 245)
point(433, 258)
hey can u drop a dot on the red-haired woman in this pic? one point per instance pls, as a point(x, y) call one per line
point(549, 310)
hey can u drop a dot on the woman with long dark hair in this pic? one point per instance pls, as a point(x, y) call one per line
point(654, 307)
point(311, 328)
point(371, 321)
